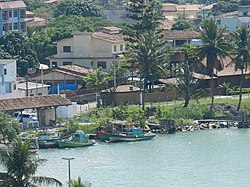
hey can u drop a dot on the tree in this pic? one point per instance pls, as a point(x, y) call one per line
point(78, 183)
point(149, 52)
point(181, 25)
point(147, 15)
point(244, 2)
point(21, 163)
point(223, 7)
point(242, 59)
point(85, 8)
point(21, 49)
point(214, 48)
point(99, 80)
point(187, 85)
point(8, 127)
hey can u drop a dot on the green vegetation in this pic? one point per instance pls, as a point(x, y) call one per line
point(8, 128)
point(85, 8)
point(181, 25)
point(78, 183)
point(16, 46)
point(242, 58)
point(213, 46)
point(21, 163)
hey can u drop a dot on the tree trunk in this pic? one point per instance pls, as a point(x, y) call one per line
point(186, 102)
point(241, 85)
point(143, 93)
point(212, 93)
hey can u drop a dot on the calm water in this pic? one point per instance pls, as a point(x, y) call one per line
point(203, 158)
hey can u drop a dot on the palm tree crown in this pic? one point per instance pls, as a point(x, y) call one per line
point(21, 164)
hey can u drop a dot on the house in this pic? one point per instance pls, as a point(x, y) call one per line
point(188, 11)
point(62, 78)
point(178, 38)
point(33, 88)
point(12, 16)
point(8, 84)
point(91, 50)
point(228, 20)
point(244, 16)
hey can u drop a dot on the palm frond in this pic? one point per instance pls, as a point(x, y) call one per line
point(43, 180)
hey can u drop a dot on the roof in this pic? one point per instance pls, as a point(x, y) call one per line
point(108, 37)
point(228, 68)
point(112, 28)
point(124, 88)
point(31, 85)
point(169, 81)
point(169, 7)
point(6, 61)
point(33, 102)
point(172, 35)
point(72, 70)
point(229, 14)
point(12, 5)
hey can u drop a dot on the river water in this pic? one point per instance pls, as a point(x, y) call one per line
point(202, 158)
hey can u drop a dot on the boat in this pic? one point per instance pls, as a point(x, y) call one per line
point(79, 139)
point(48, 140)
point(118, 131)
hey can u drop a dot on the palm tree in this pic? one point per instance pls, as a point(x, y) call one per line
point(186, 85)
point(99, 80)
point(149, 52)
point(21, 164)
point(78, 183)
point(242, 55)
point(214, 48)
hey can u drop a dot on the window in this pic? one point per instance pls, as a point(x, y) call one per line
point(102, 65)
point(10, 13)
point(22, 13)
point(5, 15)
point(14, 86)
point(23, 27)
point(180, 42)
point(54, 64)
point(121, 47)
point(115, 48)
point(66, 49)
point(91, 63)
point(219, 22)
point(15, 13)
point(67, 63)
point(245, 13)
point(5, 71)
point(15, 26)
point(10, 26)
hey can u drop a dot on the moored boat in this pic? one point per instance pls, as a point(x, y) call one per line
point(79, 139)
point(48, 140)
point(127, 137)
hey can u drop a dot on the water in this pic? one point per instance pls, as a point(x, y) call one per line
point(202, 158)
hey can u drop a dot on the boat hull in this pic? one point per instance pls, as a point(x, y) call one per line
point(48, 144)
point(71, 144)
point(130, 138)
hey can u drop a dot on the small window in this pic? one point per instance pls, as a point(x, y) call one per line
point(10, 26)
point(22, 26)
point(115, 48)
point(14, 86)
point(15, 26)
point(121, 47)
point(10, 13)
point(66, 49)
point(54, 64)
point(5, 71)
point(91, 63)
point(22, 13)
point(67, 63)
point(5, 15)
point(15, 13)
point(103, 65)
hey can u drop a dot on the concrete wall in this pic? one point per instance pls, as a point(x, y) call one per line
point(67, 111)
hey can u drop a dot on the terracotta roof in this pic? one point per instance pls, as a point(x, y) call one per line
point(171, 35)
point(124, 88)
point(189, 7)
point(74, 69)
point(108, 37)
point(169, 7)
point(112, 28)
point(229, 14)
point(33, 102)
point(12, 5)
point(228, 68)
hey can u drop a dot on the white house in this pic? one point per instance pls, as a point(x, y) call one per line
point(91, 50)
point(244, 16)
point(8, 85)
